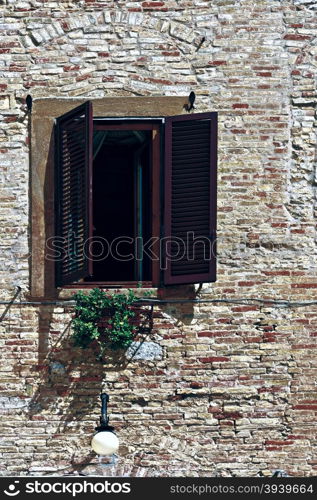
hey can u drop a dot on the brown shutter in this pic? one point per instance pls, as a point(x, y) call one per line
point(190, 198)
point(73, 193)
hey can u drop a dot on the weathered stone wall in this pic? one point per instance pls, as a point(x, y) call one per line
point(225, 388)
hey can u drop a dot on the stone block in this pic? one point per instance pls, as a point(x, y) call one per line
point(144, 351)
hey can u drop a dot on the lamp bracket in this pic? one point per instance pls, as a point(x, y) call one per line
point(104, 428)
point(104, 419)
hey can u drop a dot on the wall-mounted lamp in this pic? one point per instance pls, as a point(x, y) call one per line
point(104, 442)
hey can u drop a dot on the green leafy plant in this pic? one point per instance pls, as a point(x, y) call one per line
point(106, 320)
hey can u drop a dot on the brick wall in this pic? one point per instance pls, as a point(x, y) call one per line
point(225, 388)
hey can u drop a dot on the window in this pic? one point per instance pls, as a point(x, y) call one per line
point(135, 199)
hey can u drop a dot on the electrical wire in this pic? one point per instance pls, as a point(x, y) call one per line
point(242, 301)
point(153, 301)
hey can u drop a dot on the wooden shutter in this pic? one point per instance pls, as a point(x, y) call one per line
point(73, 193)
point(190, 198)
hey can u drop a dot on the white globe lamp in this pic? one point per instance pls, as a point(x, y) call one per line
point(105, 441)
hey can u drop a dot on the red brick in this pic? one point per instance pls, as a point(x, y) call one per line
point(296, 436)
point(196, 385)
point(277, 273)
point(17, 68)
point(71, 67)
point(213, 409)
point(214, 334)
point(152, 5)
point(244, 308)
point(214, 359)
point(250, 340)
point(175, 53)
point(160, 81)
point(297, 37)
point(248, 283)
point(37, 83)
point(205, 334)
point(82, 77)
point(228, 415)
point(240, 106)
point(225, 209)
point(9, 44)
point(217, 63)
point(19, 342)
point(174, 336)
point(264, 74)
point(304, 346)
point(305, 407)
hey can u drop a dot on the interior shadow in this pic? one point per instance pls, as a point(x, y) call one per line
point(50, 290)
point(182, 311)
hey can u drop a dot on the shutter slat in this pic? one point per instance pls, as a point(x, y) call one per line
point(190, 198)
point(190, 185)
point(180, 213)
point(70, 149)
point(178, 148)
point(194, 202)
point(71, 157)
point(183, 127)
point(188, 174)
point(73, 194)
point(186, 157)
point(186, 190)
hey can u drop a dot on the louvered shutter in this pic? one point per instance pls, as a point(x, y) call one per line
point(73, 193)
point(190, 198)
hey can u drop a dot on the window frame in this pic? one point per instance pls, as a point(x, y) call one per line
point(41, 165)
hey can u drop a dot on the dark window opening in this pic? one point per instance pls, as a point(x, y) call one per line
point(121, 205)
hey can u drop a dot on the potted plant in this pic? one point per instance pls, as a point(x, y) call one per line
point(107, 321)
